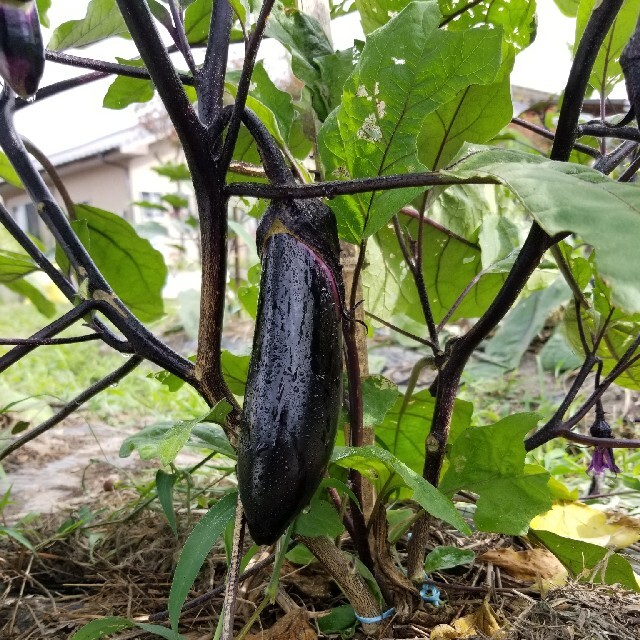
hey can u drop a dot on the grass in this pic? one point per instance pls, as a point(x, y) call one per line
point(55, 374)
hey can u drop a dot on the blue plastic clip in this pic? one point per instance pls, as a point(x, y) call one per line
point(380, 618)
point(430, 593)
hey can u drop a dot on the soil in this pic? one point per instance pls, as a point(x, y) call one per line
point(121, 562)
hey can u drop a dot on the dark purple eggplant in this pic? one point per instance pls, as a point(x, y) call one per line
point(293, 397)
point(21, 46)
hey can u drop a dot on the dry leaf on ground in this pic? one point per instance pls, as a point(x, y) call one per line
point(526, 566)
point(480, 621)
point(293, 626)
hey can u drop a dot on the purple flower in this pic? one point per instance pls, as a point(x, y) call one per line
point(602, 456)
point(601, 461)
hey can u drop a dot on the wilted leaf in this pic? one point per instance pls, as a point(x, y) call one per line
point(526, 566)
point(292, 626)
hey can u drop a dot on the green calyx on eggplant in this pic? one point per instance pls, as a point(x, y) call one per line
point(293, 398)
point(21, 47)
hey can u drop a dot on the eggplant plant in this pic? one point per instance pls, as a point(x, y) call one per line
point(413, 146)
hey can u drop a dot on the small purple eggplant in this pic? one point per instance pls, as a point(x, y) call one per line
point(294, 387)
point(21, 46)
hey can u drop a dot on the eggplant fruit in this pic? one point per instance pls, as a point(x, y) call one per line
point(293, 395)
point(21, 47)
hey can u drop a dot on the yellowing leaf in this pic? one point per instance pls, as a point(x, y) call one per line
point(580, 522)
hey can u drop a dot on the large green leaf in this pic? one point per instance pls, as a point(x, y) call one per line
point(102, 20)
point(136, 271)
point(376, 464)
point(197, 547)
point(491, 462)
point(408, 69)
point(606, 71)
point(565, 197)
point(449, 265)
point(405, 433)
point(476, 114)
point(320, 518)
point(590, 562)
point(124, 91)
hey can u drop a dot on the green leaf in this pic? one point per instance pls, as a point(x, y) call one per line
point(14, 265)
point(303, 36)
point(8, 173)
point(178, 172)
point(568, 7)
point(590, 562)
point(197, 19)
point(516, 19)
point(476, 114)
point(106, 626)
point(176, 438)
point(620, 333)
point(18, 536)
point(300, 555)
point(490, 461)
point(136, 271)
point(376, 13)
point(319, 519)
point(101, 627)
point(43, 9)
point(25, 289)
point(242, 10)
point(408, 69)
point(566, 197)
point(164, 487)
point(102, 20)
point(449, 266)
point(124, 91)
point(197, 547)
point(340, 619)
point(446, 558)
point(278, 102)
point(405, 435)
point(505, 349)
point(378, 396)
point(147, 441)
point(235, 370)
point(160, 13)
point(606, 71)
point(376, 463)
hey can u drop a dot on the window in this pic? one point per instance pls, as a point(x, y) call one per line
point(28, 219)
